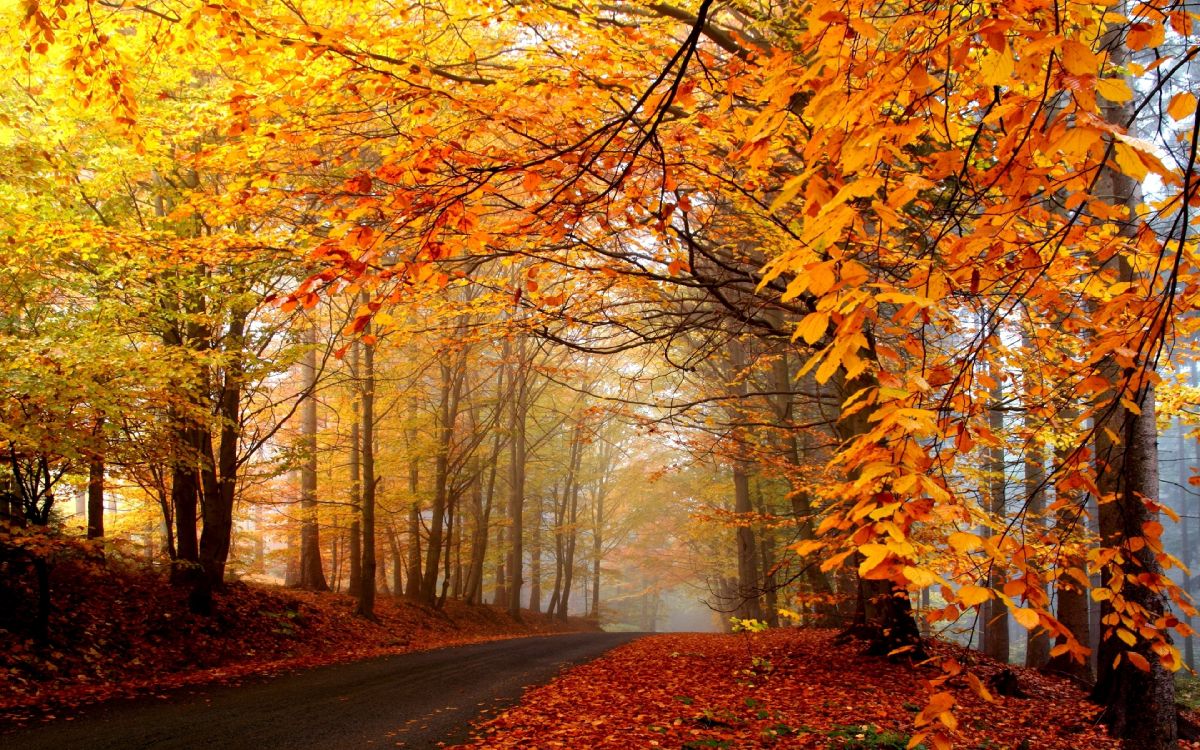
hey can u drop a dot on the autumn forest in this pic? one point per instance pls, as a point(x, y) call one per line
point(853, 342)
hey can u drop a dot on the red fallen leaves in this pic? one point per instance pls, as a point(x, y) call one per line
point(782, 688)
point(118, 632)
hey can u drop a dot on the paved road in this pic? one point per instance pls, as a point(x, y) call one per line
point(409, 701)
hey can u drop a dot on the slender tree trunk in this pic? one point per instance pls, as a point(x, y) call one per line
point(766, 552)
point(882, 611)
point(994, 611)
point(1139, 705)
point(535, 556)
point(1037, 641)
point(749, 602)
point(479, 544)
point(1070, 592)
point(397, 561)
point(1186, 511)
point(312, 574)
point(452, 373)
point(355, 553)
point(95, 498)
point(413, 575)
point(560, 511)
point(568, 564)
point(220, 476)
point(791, 442)
point(516, 496)
point(597, 550)
point(366, 597)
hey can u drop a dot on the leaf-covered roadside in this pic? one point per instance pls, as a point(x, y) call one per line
point(783, 688)
point(119, 632)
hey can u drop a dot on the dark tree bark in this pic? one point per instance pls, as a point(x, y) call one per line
point(366, 597)
point(413, 574)
point(95, 500)
point(994, 611)
point(452, 369)
point(1037, 641)
point(749, 591)
point(312, 573)
point(355, 585)
point(516, 494)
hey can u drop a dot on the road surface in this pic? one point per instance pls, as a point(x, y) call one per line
point(416, 700)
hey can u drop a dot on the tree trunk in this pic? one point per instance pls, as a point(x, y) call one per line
point(366, 597)
point(312, 574)
point(413, 584)
point(397, 561)
point(452, 373)
point(568, 563)
point(994, 611)
point(748, 603)
point(1139, 705)
point(535, 557)
point(220, 478)
point(766, 552)
point(95, 497)
point(1037, 641)
point(1186, 511)
point(516, 495)
point(792, 443)
point(355, 554)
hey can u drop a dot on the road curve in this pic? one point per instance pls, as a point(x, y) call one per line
point(417, 700)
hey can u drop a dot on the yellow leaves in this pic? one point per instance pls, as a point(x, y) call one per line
point(1182, 106)
point(1144, 34)
point(939, 709)
point(997, 67)
point(1128, 161)
point(919, 577)
point(1114, 89)
point(1078, 59)
point(970, 595)
point(820, 278)
point(964, 541)
point(873, 557)
point(978, 688)
point(811, 328)
point(531, 181)
point(863, 187)
point(807, 546)
point(853, 273)
point(816, 278)
point(1025, 617)
point(1137, 660)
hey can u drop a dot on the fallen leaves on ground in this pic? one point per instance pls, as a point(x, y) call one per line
point(782, 688)
point(118, 631)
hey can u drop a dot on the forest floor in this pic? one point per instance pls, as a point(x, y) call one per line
point(784, 689)
point(118, 631)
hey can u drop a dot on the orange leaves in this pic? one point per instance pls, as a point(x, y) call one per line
point(691, 690)
point(1137, 660)
point(964, 541)
point(1182, 106)
point(971, 595)
point(1025, 617)
point(940, 709)
point(1143, 34)
point(1078, 59)
point(1114, 89)
point(812, 327)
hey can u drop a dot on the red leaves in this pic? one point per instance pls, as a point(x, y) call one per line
point(116, 632)
point(785, 688)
